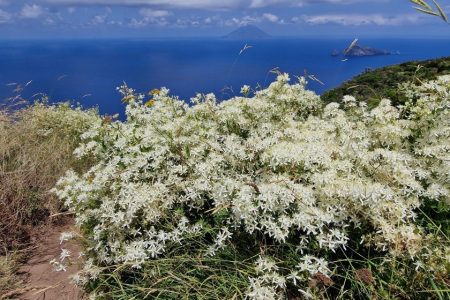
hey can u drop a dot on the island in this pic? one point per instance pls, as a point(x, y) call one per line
point(247, 32)
point(359, 51)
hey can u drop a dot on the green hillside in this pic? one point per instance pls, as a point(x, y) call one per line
point(374, 85)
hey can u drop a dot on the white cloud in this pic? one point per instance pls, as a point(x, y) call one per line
point(213, 20)
point(49, 21)
point(139, 23)
point(270, 17)
point(5, 17)
point(99, 19)
point(217, 20)
point(206, 4)
point(31, 11)
point(194, 4)
point(254, 19)
point(150, 13)
point(242, 21)
point(265, 3)
point(359, 19)
point(150, 17)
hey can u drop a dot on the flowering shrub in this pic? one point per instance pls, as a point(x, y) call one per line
point(277, 178)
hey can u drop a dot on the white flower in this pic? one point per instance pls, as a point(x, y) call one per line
point(349, 101)
point(223, 236)
point(264, 265)
point(65, 236)
point(245, 90)
point(57, 266)
point(284, 78)
point(260, 290)
point(294, 277)
point(64, 254)
point(313, 265)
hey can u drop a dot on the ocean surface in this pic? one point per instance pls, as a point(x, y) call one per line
point(88, 71)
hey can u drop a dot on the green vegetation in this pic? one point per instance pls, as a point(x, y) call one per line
point(372, 86)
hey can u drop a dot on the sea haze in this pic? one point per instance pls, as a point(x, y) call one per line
point(89, 71)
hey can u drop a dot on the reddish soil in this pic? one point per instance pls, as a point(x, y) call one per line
point(41, 281)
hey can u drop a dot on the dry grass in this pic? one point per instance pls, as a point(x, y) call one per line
point(8, 278)
point(36, 144)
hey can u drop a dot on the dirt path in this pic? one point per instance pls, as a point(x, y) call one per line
point(41, 282)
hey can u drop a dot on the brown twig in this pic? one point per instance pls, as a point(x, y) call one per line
point(62, 214)
point(22, 291)
point(253, 185)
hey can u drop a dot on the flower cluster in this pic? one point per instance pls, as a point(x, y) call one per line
point(430, 110)
point(279, 166)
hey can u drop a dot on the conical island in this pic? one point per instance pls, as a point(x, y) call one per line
point(247, 32)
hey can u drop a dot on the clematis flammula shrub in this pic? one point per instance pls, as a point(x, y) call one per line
point(274, 171)
point(429, 108)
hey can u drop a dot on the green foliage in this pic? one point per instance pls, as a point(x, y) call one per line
point(372, 86)
point(183, 274)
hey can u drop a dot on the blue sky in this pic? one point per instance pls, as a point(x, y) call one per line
point(187, 18)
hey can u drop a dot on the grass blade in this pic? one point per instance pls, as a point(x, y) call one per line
point(430, 12)
point(441, 11)
point(422, 3)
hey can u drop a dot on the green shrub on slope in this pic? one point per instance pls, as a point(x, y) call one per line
point(372, 86)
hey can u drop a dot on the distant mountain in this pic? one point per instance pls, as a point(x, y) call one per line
point(248, 32)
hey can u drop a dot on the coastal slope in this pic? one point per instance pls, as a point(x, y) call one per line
point(383, 83)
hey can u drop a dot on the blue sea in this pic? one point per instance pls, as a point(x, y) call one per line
point(88, 71)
